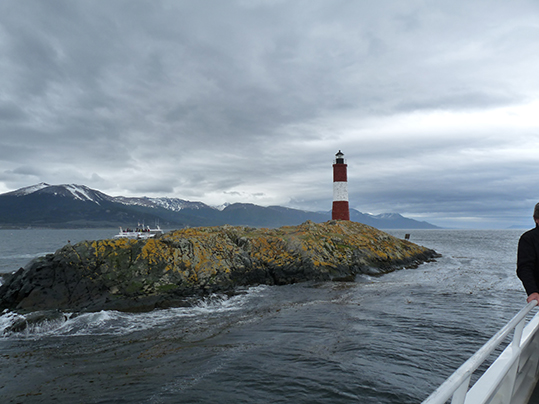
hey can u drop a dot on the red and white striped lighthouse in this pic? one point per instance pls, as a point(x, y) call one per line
point(340, 209)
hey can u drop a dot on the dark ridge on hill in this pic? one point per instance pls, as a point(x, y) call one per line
point(77, 206)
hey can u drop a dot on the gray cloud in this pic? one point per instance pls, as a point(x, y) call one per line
point(249, 101)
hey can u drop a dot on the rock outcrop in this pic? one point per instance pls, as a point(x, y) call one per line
point(136, 275)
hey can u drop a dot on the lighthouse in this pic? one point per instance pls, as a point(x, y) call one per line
point(340, 209)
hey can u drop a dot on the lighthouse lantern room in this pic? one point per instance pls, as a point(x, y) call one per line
point(340, 210)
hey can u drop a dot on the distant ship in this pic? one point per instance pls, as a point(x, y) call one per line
point(140, 232)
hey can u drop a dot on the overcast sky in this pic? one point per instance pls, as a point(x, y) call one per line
point(435, 104)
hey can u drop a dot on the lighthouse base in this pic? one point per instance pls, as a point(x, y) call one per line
point(340, 210)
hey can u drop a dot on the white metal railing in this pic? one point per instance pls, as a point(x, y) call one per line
point(512, 377)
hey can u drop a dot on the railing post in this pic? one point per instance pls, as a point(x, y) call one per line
point(456, 386)
point(517, 336)
point(512, 376)
point(460, 393)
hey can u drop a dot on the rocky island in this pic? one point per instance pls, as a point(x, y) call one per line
point(171, 270)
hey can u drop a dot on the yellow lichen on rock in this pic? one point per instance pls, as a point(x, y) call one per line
point(103, 248)
point(208, 255)
point(125, 274)
point(154, 252)
point(327, 244)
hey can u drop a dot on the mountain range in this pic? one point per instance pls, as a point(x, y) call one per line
point(78, 206)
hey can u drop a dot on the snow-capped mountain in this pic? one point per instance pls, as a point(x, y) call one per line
point(28, 190)
point(388, 216)
point(222, 207)
point(389, 220)
point(83, 193)
point(80, 192)
point(172, 204)
point(176, 204)
point(71, 205)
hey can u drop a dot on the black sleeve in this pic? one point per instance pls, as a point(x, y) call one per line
point(526, 261)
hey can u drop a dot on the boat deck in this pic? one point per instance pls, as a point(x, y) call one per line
point(510, 379)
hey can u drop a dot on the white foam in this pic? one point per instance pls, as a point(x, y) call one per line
point(7, 319)
point(120, 323)
point(25, 256)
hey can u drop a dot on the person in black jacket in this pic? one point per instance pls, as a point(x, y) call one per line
point(528, 259)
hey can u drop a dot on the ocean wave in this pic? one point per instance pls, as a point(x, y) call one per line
point(24, 255)
point(110, 322)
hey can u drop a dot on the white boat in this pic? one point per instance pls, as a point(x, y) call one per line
point(512, 377)
point(140, 232)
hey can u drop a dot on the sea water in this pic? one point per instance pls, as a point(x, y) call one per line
point(386, 339)
point(19, 246)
